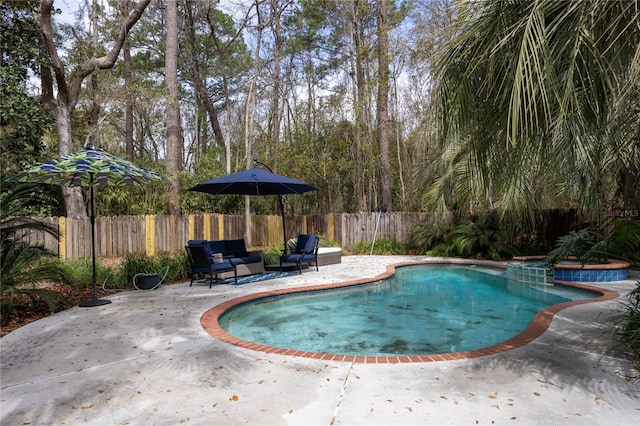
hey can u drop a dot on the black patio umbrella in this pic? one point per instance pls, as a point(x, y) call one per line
point(256, 182)
point(89, 167)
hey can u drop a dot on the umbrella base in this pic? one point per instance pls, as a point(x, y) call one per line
point(94, 302)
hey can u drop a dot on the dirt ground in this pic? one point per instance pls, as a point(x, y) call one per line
point(27, 312)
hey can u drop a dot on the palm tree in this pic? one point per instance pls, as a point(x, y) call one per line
point(23, 264)
point(538, 104)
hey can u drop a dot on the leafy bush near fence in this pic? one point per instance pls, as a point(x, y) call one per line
point(23, 264)
point(480, 237)
point(121, 276)
point(620, 241)
point(382, 246)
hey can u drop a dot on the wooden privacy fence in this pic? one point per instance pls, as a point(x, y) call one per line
point(163, 234)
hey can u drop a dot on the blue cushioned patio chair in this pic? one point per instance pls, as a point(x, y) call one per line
point(306, 251)
point(201, 263)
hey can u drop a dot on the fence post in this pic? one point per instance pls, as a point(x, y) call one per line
point(62, 242)
point(332, 227)
point(206, 226)
point(150, 233)
point(191, 223)
point(221, 227)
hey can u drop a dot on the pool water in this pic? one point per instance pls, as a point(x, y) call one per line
point(421, 309)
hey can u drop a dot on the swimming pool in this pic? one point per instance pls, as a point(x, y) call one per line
point(420, 310)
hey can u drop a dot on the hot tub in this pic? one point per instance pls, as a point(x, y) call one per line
point(573, 270)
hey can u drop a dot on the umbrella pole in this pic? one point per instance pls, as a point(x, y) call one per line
point(284, 226)
point(94, 300)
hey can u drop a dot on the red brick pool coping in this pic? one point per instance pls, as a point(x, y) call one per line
point(539, 324)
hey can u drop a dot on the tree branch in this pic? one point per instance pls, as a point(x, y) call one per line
point(71, 91)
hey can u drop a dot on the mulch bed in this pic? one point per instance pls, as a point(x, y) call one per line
point(27, 312)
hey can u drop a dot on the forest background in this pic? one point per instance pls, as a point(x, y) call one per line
point(425, 105)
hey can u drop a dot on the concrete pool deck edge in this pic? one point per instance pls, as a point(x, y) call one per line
point(536, 328)
point(145, 360)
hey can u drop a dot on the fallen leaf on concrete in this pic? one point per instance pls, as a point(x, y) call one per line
point(234, 398)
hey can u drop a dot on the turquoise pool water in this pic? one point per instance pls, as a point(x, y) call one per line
point(422, 309)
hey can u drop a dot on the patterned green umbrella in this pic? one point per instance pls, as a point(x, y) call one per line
point(89, 167)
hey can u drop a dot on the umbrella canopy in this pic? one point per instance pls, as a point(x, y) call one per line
point(256, 182)
point(89, 167)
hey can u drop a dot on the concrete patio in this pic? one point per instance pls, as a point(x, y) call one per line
point(145, 359)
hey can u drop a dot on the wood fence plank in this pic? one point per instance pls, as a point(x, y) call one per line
point(117, 236)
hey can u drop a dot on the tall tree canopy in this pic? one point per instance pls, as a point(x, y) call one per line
point(538, 106)
point(23, 122)
point(536, 102)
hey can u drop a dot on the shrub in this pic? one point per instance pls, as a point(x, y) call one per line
point(23, 264)
point(628, 326)
point(426, 236)
point(587, 245)
point(272, 255)
point(480, 237)
point(135, 263)
point(383, 246)
point(79, 272)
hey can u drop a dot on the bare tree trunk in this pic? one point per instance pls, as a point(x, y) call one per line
point(174, 157)
point(94, 121)
point(128, 79)
point(249, 111)
point(222, 55)
point(399, 147)
point(382, 106)
point(193, 65)
point(360, 104)
point(62, 105)
point(276, 13)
